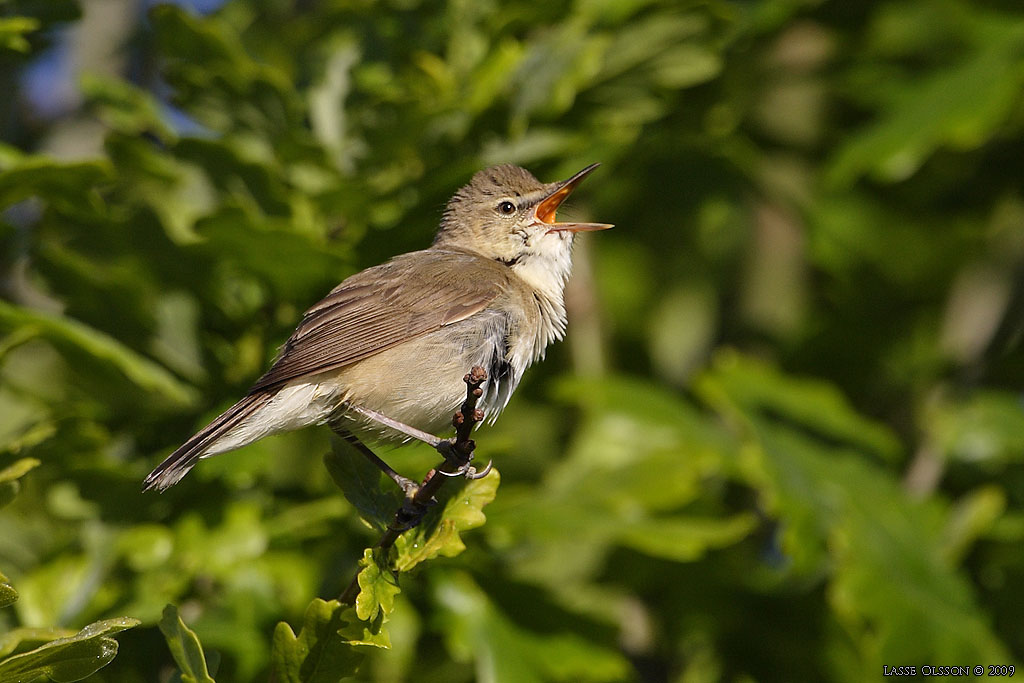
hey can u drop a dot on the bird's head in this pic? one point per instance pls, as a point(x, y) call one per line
point(507, 215)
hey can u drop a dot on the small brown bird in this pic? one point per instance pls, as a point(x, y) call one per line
point(397, 338)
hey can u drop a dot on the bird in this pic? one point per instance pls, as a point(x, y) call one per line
point(396, 339)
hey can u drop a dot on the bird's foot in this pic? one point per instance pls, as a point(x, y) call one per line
point(469, 472)
point(461, 460)
point(408, 486)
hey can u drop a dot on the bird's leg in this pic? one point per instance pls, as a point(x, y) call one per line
point(407, 485)
point(457, 452)
point(468, 471)
point(400, 427)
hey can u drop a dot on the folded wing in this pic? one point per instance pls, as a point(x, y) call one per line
point(382, 307)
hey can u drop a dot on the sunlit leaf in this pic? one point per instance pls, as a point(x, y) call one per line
point(125, 107)
point(326, 648)
point(7, 593)
point(642, 452)
point(9, 476)
point(13, 31)
point(958, 106)
point(377, 587)
point(501, 650)
point(178, 192)
point(684, 539)
point(840, 493)
point(829, 500)
point(757, 387)
point(987, 427)
point(641, 41)
point(973, 516)
point(70, 658)
point(440, 534)
point(185, 647)
point(67, 185)
point(24, 639)
point(75, 337)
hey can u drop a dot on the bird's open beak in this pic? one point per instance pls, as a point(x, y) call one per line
point(546, 208)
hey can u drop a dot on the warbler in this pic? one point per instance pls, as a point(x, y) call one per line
point(396, 339)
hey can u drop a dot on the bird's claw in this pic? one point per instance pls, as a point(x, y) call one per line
point(457, 473)
point(470, 472)
point(408, 486)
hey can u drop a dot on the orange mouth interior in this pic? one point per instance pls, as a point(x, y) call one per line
point(549, 205)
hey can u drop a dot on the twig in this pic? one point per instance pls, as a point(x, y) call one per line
point(457, 452)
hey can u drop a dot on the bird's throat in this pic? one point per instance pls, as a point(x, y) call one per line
point(545, 276)
point(545, 272)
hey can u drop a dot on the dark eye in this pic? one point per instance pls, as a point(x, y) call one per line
point(507, 208)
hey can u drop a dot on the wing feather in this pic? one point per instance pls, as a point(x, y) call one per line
point(425, 291)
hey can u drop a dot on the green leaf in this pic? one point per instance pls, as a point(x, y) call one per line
point(178, 192)
point(684, 539)
point(757, 387)
point(207, 64)
point(9, 476)
point(294, 264)
point(73, 337)
point(185, 647)
point(853, 232)
point(974, 515)
point(8, 596)
point(377, 587)
point(502, 650)
point(13, 30)
point(24, 639)
point(48, 587)
point(686, 66)
point(643, 41)
point(68, 659)
point(125, 107)
point(844, 516)
point(327, 647)
point(873, 530)
point(985, 427)
point(640, 456)
point(440, 534)
point(360, 480)
point(68, 185)
point(207, 39)
point(354, 631)
point(959, 106)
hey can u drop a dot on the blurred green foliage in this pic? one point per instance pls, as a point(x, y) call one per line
point(783, 440)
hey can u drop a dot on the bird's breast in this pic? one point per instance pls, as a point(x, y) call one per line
point(419, 382)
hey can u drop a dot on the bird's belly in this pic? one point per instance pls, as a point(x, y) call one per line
point(420, 382)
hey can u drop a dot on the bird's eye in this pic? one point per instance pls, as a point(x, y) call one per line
point(507, 208)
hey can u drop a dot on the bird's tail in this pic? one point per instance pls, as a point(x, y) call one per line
point(177, 464)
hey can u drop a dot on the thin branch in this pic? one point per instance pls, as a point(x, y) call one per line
point(457, 452)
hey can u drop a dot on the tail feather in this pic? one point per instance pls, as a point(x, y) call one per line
point(177, 464)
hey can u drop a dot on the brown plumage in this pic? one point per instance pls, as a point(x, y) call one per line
point(398, 337)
